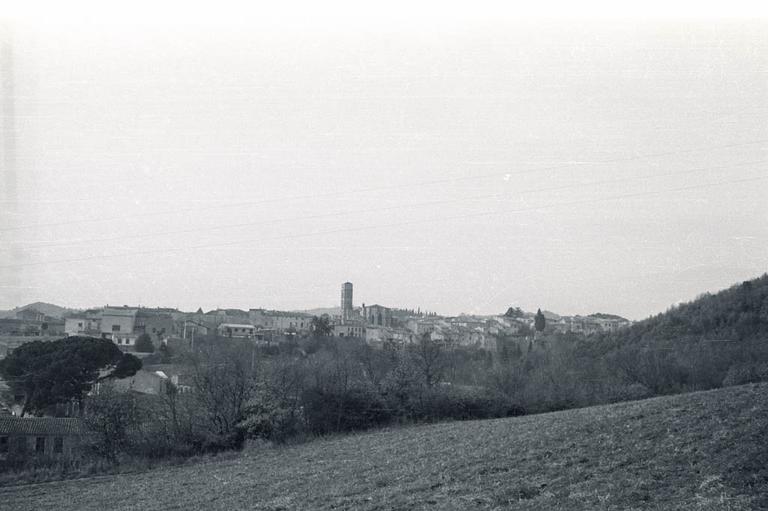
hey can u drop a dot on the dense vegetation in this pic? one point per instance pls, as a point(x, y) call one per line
point(304, 388)
point(739, 313)
point(715, 340)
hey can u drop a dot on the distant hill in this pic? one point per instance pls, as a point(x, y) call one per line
point(331, 311)
point(516, 312)
point(602, 315)
point(48, 309)
point(738, 313)
point(551, 316)
point(703, 450)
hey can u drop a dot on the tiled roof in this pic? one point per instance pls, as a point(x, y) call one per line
point(40, 426)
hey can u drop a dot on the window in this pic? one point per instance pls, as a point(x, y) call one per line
point(80, 325)
point(58, 445)
point(115, 328)
point(40, 445)
point(3, 444)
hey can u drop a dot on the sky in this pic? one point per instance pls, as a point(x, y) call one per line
point(458, 160)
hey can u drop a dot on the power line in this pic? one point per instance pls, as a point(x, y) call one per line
point(387, 208)
point(376, 189)
point(381, 226)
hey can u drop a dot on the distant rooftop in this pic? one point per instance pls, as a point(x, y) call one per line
point(118, 311)
point(283, 313)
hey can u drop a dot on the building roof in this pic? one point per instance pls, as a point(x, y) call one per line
point(235, 325)
point(153, 313)
point(113, 311)
point(86, 314)
point(40, 426)
point(377, 306)
point(283, 314)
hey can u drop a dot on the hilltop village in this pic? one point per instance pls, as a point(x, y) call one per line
point(374, 323)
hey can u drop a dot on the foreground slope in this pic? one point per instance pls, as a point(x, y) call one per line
point(706, 450)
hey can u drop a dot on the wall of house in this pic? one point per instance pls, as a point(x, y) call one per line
point(378, 315)
point(123, 323)
point(349, 331)
point(298, 323)
point(146, 382)
point(280, 322)
point(123, 340)
point(157, 326)
point(239, 331)
point(25, 445)
point(82, 326)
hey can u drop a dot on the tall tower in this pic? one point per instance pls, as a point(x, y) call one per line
point(346, 302)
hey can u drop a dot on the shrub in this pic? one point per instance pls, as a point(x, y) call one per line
point(270, 419)
point(144, 344)
point(739, 374)
point(111, 415)
point(328, 411)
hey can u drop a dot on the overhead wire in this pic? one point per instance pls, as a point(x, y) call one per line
point(81, 241)
point(336, 193)
point(379, 226)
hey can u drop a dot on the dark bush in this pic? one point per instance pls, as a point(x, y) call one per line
point(328, 412)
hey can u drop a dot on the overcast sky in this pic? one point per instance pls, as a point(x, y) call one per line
point(453, 163)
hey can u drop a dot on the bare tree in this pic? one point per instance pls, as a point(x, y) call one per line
point(430, 359)
point(110, 417)
point(222, 383)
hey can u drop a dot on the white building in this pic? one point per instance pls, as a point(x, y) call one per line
point(235, 330)
point(86, 325)
point(117, 324)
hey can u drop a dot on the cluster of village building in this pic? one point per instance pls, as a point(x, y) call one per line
point(373, 323)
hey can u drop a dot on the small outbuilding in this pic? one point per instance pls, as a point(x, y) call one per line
point(40, 436)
